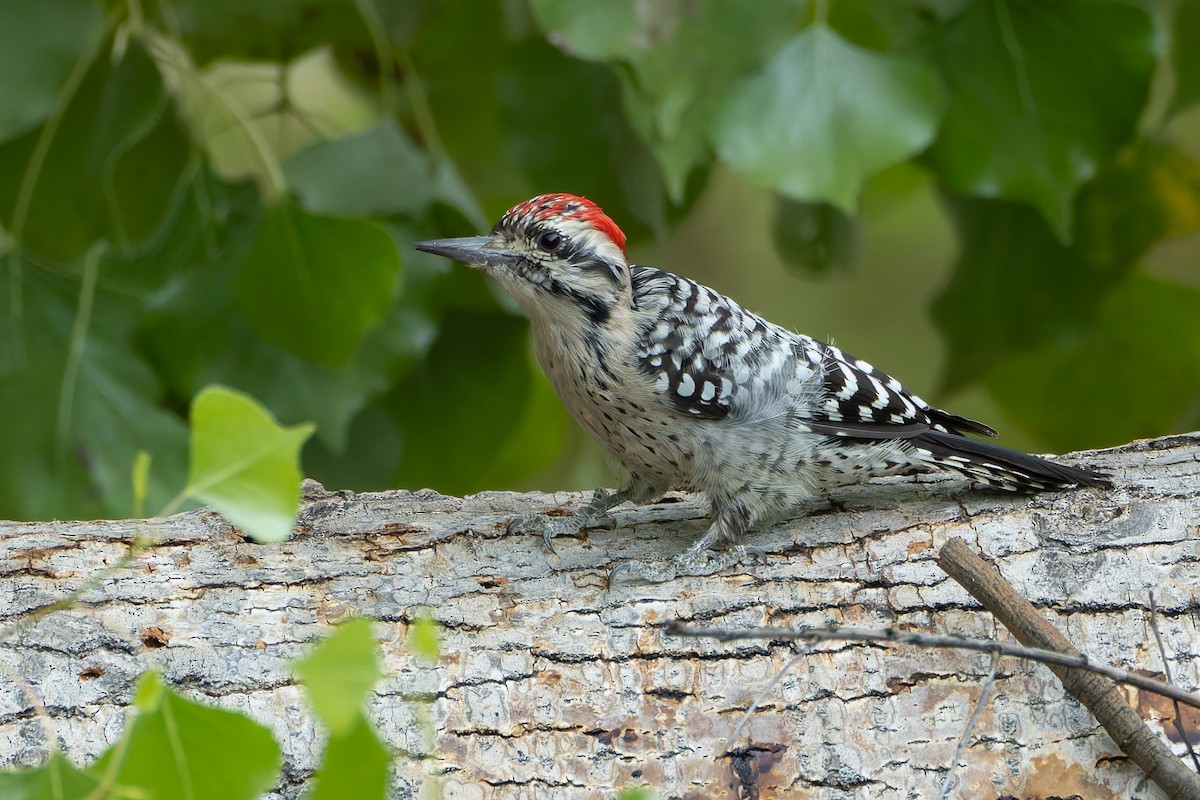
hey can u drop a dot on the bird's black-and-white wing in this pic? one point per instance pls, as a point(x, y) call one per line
point(690, 343)
point(860, 401)
point(709, 356)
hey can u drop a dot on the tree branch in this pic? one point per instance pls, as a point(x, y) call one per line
point(552, 684)
point(1054, 659)
point(1177, 721)
point(1100, 696)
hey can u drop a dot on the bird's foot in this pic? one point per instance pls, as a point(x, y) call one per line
point(693, 561)
point(590, 516)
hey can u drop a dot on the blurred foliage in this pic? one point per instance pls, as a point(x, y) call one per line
point(338, 676)
point(173, 747)
point(226, 191)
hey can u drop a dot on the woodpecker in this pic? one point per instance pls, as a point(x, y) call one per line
point(689, 390)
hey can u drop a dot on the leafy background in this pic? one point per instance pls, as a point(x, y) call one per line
point(997, 200)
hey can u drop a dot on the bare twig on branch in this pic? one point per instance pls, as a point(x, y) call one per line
point(97, 579)
point(758, 701)
point(1099, 696)
point(934, 641)
point(35, 700)
point(985, 690)
point(1162, 651)
point(1161, 765)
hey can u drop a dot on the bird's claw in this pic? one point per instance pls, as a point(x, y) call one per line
point(601, 523)
point(749, 554)
point(599, 499)
point(550, 527)
point(527, 523)
point(537, 525)
point(649, 571)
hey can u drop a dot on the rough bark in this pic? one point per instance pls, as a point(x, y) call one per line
point(552, 685)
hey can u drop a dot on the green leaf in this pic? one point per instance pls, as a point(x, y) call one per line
point(215, 29)
point(314, 285)
point(1096, 391)
point(1014, 286)
point(354, 765)
point(140, 480)
point(139, 154)
point(675, 89)
point(598, 31)
point(1150, 192)
point(824, 116)
point(296, 389)
point(51, 201)
point(111, 168)
point(379, 171)
point(677, 60)
point(40, 43)
point(149, 691)
point(196, 337)
point(1185, 54)
point(77, 400)
point(57, 779)
point(142, 185)
point(509, 142)
point(180, 749)
point(339, 673)
point(894, 25)
point(244, 464)
point(442, 394)
point(1040, 94)
point(248, 116)
point(637, 793)
point(422, 639)
point(131, 104)
point(330, 396)
point(582, 140)
point(817, 238)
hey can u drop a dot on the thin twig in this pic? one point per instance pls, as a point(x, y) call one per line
point(1162, 651)
point(754, 706)
point(1101, 697)
point(39, 708)
point(383, 54)
point(97, 579)
point(984, 691)
point(835, 633)
point(76, 347)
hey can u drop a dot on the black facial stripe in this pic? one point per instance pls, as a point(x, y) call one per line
point(592, 306)
point(569, 250)
point(595, 309)
point(606, 268)
point(573, 252)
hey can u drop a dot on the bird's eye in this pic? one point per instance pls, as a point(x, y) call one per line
point(549, 241)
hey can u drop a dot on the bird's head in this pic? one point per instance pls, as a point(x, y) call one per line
point(557, 254)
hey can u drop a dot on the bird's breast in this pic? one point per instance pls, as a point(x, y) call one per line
point(598, 381)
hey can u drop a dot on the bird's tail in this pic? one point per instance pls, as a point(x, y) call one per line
point(1000, 467)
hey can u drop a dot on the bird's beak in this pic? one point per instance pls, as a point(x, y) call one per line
point(478, 251)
